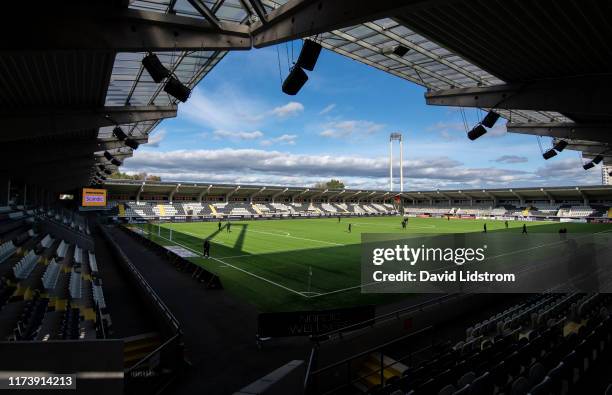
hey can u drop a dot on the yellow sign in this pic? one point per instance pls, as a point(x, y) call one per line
point(94, 197)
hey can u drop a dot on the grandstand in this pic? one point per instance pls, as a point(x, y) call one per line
point(107, 282)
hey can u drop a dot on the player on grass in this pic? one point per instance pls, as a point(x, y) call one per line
point(525, 228)
point(229, 225)
point(207, 248)
point(506, 224)
point(219, 224)
point(484, 228)
point(349, 228)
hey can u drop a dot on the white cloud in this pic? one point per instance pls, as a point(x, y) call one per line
point(156, 138)
point(226, 134)
point(338, 129)
point(223, 109)
point(284, 168)
point(285, 139)
point(289, 109)
point(511, 159)
point(327, 109)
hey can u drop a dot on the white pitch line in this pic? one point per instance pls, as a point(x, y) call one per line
point(240, 269)
point(295, 237)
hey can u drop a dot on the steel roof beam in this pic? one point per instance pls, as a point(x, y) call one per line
point(565, 130)
point(580, 95)
point(302, 18)
point(119, 30)
point(45, 122)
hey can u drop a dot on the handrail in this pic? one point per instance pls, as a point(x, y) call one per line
point(143, 283)
point(158, 349)
point(370, 350)
point(386, 316)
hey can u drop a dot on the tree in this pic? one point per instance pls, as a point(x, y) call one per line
point(140, 176)
point(331, 184)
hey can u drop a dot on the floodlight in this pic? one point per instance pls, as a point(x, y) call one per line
point(549, 154)
point(309, 55)
point(155, 68)
point(477, 132)
point(294, 81)
point(561, 145)
point(588, 166)
point(175, 88)
point(490, 119)
point(119, 133)
point(398, 50)
point(132, 143)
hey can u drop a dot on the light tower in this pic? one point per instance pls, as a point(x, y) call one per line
point(396, 137)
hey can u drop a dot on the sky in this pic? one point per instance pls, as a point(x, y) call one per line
point(238, 127)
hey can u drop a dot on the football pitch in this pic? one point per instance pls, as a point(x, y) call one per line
point(304, 264)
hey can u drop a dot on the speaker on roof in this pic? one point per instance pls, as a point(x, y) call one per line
point(116, 162)
point(309, 55)
point(119, 133)
point(175, 88)
point(294, 81)
point(398, 50)
point(108, 171)
point(108, 155)
point(588, 166)
point(597, 160)
point(549, 154)
point(560, 146)
point(490, 119)
point(133, 144)
point(155, 68)
point(477, 132)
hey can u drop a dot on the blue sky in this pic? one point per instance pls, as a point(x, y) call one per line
point(238, 127)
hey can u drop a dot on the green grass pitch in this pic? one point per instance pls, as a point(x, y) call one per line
point(303, 264)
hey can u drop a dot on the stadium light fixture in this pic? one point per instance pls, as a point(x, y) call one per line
point(398, 50)
point(490, 119)
point(112, 159)
point(549, 154)
point(560, 146)
point(119, 133)
point(597, 160)
point(476, 132)
point(588, 166)
point(309, 55)
point(108, 155)
point(175, 88)
point(294, 81)
point(155, 68)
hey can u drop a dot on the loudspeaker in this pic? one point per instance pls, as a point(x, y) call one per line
point(398, 50)
point(549, 154)
point(309, 55)
point(155, 68)
point(294, 81)
point(116, 162)
point(490, 119)
point(175, 88)
point(588, 166)
point(476, 132)
point(597, 160)
point(132, 143)
point(108, 155)
point(560, 146)
point(119, 133)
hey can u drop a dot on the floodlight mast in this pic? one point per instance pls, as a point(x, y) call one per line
point(396, 137)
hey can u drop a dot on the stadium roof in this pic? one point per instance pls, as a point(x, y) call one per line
point(133, 188)
point(75, 71)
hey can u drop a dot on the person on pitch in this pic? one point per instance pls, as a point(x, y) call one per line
point(349, 228)
point(525, 228)
point(207, 248)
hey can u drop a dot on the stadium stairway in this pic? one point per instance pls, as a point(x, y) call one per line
point(213, 210)
point(139, 346)
point(257, 210)
point(121, 207)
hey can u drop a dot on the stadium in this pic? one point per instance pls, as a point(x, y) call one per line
point(222, 264)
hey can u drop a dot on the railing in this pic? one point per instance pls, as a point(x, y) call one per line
point(158, 367)
point(343, 374)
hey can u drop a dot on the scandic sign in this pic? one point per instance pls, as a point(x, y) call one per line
point(94, 197)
